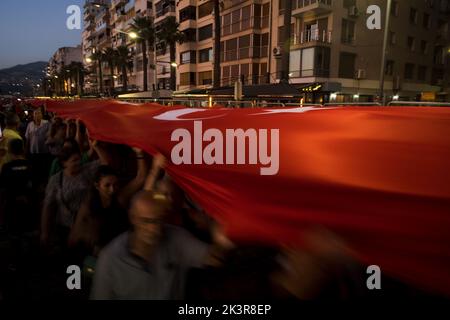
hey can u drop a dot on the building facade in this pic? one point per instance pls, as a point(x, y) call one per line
point(334, 56)
point(331, 45)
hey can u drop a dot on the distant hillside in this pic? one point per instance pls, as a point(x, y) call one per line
point(21, 78)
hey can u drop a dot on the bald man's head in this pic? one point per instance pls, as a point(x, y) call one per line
point(147, 213)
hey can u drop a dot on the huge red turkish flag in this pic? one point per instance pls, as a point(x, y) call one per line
point(378, 177)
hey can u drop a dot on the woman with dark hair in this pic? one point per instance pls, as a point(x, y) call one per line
point(70, 143)
point(55, 139)
point(103, 215)
point(66, 191)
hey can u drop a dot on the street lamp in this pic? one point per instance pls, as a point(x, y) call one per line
point(88, 60)
point(132, 35)
point(383, 55)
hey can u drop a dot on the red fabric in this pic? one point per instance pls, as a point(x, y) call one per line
point(378, 177)
point(36, 103)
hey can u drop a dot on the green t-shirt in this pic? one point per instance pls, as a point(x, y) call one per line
point(56, 165)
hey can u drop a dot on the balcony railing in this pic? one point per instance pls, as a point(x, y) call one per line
point(304, 3)
point(307, 36)
point(309, 6)
point(101, 27)
point(164, 10)
point(245, 53)
point(245, 24)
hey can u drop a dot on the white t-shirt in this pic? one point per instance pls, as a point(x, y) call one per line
point(36, 136)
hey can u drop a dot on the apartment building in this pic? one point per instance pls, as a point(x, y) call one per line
point(244, 42)
point(63, 57)
point(96, 36)
point(333, 54)
point(336, 57)
point(123, 13)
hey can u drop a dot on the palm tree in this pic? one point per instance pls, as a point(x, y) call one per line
point(217, 38)
point(143, 27)
point(98, 57)
point(124, 59)
point(109, 55)
point(170, 36)
point(287, 41)
point(77, 73)
point(62, 81)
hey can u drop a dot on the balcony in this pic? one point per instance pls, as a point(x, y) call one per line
point(129, 6)
point(309, 7)
point(312, 38)
point(100, 27)
point(117, 3)
point(245, 53)
point(89, 26)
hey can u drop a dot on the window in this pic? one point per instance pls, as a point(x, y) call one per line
point(226, 24)
point(322, 62)
point(307, 62)
point(164, 6)
point(411, 44)
point(231, 49)
point(205, 78)
point(245, 71)
point(347, 65)
point(392, 38)
point(244, 47)
point(389, 68)
point(188, 13)
point(236, 21)
point(422, 73)
point(187, 78)
point(394, 8)
point(281, 6)
point(409, 71)
point(226, 72)
point(205, 9)
point(139, 66)
point(255, 73)
point(205, 32)
point(264, 45)
point(188, 57)
point(265, 15)
point(246, 16)
point(257, 16)
point(234, 72)
point(256, 45)
point(413, 16)
point(205, 55)
point(426, 21)
point(348, 31)
point(190, 35)
point(423, 47)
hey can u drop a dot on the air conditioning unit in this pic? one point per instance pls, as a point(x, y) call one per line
point(353, 11)
point(277, 52)
point(360, 74)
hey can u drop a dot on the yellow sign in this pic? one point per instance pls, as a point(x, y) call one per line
point(428, 96)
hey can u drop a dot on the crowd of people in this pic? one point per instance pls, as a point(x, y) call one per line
point(113, 210)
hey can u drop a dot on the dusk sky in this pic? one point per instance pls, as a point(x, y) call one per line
point(32, 30)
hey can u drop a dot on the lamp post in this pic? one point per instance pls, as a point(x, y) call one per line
point(383, 54)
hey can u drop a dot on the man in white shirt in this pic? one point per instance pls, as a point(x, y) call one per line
point(35, 136)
